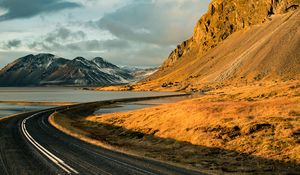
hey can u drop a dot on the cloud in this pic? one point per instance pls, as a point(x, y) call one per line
point(125, 32)
point(89, 45)
point(116, 44)
point(142, 55)
point(64, 39)
point(157, 22)
point(62, 34)
point(152, 28)
point(11, 44)
point(57, 40)
point(28, 8)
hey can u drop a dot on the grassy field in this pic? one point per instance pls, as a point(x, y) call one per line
point(247, 129)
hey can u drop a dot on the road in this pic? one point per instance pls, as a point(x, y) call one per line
point(30, 145)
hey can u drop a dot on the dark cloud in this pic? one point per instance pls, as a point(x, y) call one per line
point(42, 46)
point(141, 32)
point(150, 29)
point(62, 34)
point(157, 22)
point(67, 40)
point(57, 40)
point(12, 44)
point(29, 8)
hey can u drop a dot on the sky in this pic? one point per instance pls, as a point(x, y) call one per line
point(124, 32)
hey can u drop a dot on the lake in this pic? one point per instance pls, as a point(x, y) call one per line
point(63, 94)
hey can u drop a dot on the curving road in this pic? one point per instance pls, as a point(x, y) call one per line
point(30, 145)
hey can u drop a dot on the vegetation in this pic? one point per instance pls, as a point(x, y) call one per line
point(231, 129)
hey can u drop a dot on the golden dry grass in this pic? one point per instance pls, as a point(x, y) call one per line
point(230, 129)
point(254, 120)
point(249, 115)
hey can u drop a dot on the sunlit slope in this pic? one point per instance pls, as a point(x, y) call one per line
point(227, 48)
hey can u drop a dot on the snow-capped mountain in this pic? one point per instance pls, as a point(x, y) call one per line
point(48, 69)
point(139, 73)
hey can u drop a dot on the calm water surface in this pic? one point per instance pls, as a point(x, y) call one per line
point(61, 94)
point(10, 109)
point(47, 94)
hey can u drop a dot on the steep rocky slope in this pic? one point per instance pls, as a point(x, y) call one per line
point(227, 17)
point(235, 41)
point(244, 59)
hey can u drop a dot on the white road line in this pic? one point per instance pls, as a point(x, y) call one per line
point(68, 169)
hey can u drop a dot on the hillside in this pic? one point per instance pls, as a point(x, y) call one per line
point(244, 61)
point(48, 69)
point(234, 42)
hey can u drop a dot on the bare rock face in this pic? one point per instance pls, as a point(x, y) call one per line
point(225, 17)
point(177, 53)
point(235, 42)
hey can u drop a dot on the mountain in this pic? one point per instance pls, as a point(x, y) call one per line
point(48, 69)
point(238, 41)
point(139, 73)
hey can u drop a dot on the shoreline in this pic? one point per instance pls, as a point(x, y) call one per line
point(196, 131)
point(111, 101)
point(37, 103)
point(81, 122)
point(111, 104)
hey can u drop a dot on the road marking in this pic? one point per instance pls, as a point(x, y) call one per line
point(68, 169)
point(45, 127)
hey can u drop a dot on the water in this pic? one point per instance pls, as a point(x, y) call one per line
point(123, 107)
point(10, 109)
point(60, 94)
point(52, 94)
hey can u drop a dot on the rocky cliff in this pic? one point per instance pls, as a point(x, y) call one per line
point(237, 40)
point(226, 17)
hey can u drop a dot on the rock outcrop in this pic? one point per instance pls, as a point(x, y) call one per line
point(237, 40)
point(226, 17)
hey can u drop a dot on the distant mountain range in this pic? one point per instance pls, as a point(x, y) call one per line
point(48, 69)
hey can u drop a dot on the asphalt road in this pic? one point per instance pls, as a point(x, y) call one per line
point(30, 145)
